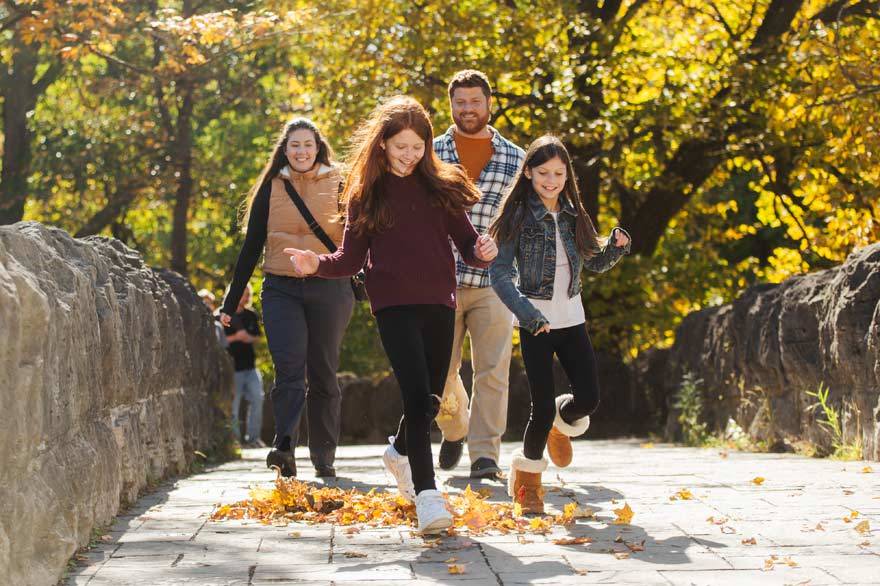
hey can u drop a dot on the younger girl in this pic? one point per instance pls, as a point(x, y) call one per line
point(404, 205)
point(543, 227)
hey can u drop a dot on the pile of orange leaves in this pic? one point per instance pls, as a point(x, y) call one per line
point(292, 500)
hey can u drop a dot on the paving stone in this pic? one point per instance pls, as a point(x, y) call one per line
point(168, 538)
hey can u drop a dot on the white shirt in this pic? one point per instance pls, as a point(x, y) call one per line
point(561, 311)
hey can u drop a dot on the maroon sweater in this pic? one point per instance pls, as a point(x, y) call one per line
point(410, 263)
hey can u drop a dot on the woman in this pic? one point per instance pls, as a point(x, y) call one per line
point(544, 228)
point(304, 318)
point(404, 205)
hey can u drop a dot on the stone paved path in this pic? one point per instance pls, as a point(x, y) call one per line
point(798, 514)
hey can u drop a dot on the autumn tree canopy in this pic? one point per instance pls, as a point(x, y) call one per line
point(738, 142)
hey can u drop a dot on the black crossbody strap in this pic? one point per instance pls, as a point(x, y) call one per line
point(308, 217)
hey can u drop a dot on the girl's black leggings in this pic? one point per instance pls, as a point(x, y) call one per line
point(575, 352)
point(418, 342)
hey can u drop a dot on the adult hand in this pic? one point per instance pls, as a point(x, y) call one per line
point(225, 319)
point(620, 239)
point(486, 249)
point(545, 329)
point(305, 262)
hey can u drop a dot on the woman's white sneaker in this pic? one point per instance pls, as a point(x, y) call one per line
point(398, 467)
point(431, 510)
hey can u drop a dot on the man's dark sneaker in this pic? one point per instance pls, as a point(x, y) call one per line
point(283, 460)
point(450, 453)
point(325, 472)
point(486, 468)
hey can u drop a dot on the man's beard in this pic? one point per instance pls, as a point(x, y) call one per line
point(472, 125)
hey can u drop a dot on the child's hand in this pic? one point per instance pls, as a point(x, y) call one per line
point(486, 249)
point(620, 239)
point(225, 319)
point(545, 329)
point(305, 262)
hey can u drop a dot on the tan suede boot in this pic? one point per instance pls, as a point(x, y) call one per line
point(559, 448)
point(559, 440)
point(524, 483)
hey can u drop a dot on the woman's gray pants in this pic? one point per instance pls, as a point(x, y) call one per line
point(305, 320)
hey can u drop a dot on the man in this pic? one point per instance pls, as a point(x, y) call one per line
point(492, 163)
point(241, 334)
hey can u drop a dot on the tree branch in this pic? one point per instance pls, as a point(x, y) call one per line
point(50, 75)
point(777, 21)
point(837, 10)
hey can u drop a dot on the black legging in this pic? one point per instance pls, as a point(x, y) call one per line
point(418, 342)
point(575, 352)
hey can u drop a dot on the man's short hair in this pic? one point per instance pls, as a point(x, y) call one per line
point(470, 78)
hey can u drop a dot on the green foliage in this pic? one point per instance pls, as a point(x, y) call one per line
point(689, 405)
point(832, 424)
point(789, 163)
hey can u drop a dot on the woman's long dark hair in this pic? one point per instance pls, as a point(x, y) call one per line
point(448, 184)
point(278, 160)
point(508, 222)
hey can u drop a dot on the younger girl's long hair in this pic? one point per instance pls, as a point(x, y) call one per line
point(509, 220)
point(448, 184)
point(278, 160)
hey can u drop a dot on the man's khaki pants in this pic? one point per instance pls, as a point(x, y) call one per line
point(489, 324)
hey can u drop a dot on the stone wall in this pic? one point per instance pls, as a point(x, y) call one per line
point(759, 356)
point(372, 409)
point(110, 378)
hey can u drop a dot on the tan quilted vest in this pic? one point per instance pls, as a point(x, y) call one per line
point(319, 189)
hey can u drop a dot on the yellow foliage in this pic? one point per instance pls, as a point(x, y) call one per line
point(683, 495)
point(624, 515)
point(292, 500)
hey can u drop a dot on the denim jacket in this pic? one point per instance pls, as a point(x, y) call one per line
point(534, 251)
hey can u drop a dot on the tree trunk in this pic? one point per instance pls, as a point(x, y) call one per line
point(183, 163)
point(19, 98)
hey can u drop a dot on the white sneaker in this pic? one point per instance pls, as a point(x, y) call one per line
point(398, 467)
point(431, 510)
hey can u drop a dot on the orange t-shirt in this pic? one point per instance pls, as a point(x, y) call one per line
point(473, 153)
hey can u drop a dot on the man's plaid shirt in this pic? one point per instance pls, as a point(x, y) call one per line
point(497, 176)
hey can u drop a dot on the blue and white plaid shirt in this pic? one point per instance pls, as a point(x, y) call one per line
point(497, 176)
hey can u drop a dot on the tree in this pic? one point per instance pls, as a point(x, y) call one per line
point(39, 35)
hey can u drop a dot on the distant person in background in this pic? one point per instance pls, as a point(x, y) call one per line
point(210, 302)
point(242, 331)
point(305, 318)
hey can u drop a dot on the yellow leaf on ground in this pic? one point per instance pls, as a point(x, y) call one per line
point(867, 470)
point(540, 524)
point(573, 540)
point(864, 527)
point(682, 495)
point(852, 515)
point(647, 445)
point(750, 541)
point(773, 560)
point(758, 480)
point(455, 568)
point(624, 515)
